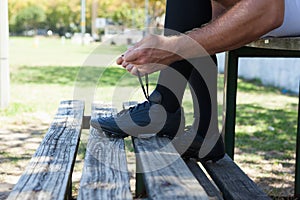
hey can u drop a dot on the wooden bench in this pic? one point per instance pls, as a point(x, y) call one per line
point(105, 174)
point(288, 47)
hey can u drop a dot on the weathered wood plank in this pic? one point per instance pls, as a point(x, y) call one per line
point(232, 181)
point(209, 188)
point(166, 176)
point(48, 175)
point(105, 174)
point(286, 43)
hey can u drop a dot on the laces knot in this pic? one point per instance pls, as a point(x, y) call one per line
point(145, 91)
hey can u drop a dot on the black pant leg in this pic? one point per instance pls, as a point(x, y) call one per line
point(181, 16)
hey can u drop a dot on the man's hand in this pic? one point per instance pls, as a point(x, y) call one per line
point(151, 54)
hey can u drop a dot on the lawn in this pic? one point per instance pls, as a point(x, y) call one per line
point(42, 51)
point(45, 72)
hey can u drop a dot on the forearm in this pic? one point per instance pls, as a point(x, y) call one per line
point(244, 22)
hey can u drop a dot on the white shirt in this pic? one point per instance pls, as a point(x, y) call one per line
point(291, 22)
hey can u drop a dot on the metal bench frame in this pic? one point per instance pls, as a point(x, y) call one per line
point(273, 47)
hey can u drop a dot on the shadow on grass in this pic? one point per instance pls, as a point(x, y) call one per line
point(101, 76)
point(271, 130)
point(279, 191)
point(19, 144)
point(12, 158)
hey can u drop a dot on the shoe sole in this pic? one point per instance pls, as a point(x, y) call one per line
point(115, 134)
point(107, 132)
point(206, 159)
point(213, 159)
point(110, 133)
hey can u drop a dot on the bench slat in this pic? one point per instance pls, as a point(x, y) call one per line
point(210, 189)
point(105, 174)
point(286, 43)
point(232, 181)
point(166, 176)
point(48, 175)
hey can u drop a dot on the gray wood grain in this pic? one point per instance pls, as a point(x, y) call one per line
point(209, 188)
point(48, 175)
point(105, 174)
point(166, 176)
point(286, 43)
point(232, 181)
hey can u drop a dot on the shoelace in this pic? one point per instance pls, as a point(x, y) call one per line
point(125, 111)
point(145, 91)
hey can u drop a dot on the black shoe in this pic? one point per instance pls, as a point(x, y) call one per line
point(135, 121)
point(191, 149)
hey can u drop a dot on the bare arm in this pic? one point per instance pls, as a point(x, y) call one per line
point(244, 22)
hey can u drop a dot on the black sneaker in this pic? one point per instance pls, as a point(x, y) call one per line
point(136, 121)
point(189, 144)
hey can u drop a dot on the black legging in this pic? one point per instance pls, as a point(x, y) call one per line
point(183, 16)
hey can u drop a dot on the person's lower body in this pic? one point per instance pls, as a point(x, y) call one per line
point(181, 16)
point(184, 16)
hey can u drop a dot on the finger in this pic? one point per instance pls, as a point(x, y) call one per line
point(134, 71)
point(120, 60)
point(142, 70)
point(124, 64)
point(129, 67)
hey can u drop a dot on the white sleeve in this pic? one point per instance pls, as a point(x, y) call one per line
point(291, 22)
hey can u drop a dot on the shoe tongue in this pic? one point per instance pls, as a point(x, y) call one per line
point(155, 97)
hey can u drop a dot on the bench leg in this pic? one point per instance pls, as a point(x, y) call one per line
point(69, 193)
point(230, 86)
point(140, 189)
point(297, 170)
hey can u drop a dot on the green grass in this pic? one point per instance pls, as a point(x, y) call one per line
point(100, 76)
point(266, 121)
point(15, 108)
point(266, 129)
point(52, 52)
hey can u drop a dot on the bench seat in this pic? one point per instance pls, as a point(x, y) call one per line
point(161, 172)
point(105, 173)
point(49, 173)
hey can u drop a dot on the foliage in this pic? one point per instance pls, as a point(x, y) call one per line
point(31, 17)
point(64, 15)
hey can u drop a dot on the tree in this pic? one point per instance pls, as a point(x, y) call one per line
point(64, 15)
point(31, 17)
point(130, 13)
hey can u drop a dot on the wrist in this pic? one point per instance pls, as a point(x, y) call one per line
point(173, 49)
point(186, 47)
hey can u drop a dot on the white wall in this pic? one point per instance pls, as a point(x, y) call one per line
point(280, 72)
